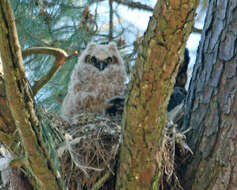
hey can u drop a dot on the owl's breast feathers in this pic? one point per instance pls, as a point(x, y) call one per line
point(90, 88)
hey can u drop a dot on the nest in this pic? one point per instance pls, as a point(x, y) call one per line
point(173, 154)
point(174, 150)
point(89, 151)
point(84, 152)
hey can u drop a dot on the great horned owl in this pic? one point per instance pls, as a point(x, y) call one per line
point(98, 76)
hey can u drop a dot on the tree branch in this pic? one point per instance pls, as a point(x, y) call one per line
point(135, 5)
point(111, 20)
point(60, 57)
point(148, 94)
point(197, 30)
point(44, 50)
point(37, 159)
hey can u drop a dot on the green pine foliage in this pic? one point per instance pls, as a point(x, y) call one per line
point(54, 23)
point(69, 25)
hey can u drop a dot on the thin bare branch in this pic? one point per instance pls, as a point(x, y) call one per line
point(134, 5)
point(111, 14)
point(44, 50)
point(60, 57)
point(197, 30)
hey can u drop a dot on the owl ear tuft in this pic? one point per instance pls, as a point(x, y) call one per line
point(91, 45)
point(113, 46)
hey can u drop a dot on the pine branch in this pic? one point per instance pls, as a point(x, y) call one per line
point(41, 41)
point(44, 50)
point(60, 57)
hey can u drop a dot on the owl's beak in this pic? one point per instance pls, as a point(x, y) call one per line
point(101, 65)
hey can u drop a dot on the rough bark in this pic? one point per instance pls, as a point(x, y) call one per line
point(20, 103)
point(7, 125)
point(212, 103)
point(149, 91)
point(19, 181)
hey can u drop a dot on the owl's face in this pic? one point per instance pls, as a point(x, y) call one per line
point(101, 56)
point(101, 64)
point(98, 76)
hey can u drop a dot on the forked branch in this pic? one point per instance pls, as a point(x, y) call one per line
point(60, 57)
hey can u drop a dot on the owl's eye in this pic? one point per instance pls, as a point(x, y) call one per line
point(87, 59)
point(109, 60)
point(93, 60)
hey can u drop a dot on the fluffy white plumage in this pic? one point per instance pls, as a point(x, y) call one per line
point(90, 87)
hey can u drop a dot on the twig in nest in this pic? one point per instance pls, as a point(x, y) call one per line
point(102, 180)
point(91, 145)
point(172, 137)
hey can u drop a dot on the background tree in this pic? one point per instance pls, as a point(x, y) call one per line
point(212, 104)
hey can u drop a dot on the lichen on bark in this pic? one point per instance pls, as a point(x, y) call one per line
point(150, 87)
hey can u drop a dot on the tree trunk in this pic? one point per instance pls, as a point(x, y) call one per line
point(149, 91)
point(36, 162)
point(212, 103)
point(7, 125)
